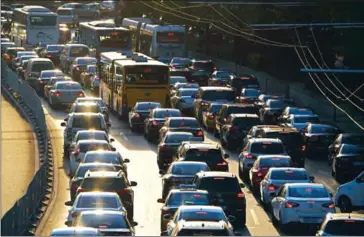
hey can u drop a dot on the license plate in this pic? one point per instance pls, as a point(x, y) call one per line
point(361, 163)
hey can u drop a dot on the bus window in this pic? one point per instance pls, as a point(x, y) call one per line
point(147, 75)
point(43, 20)
point(119, 73)
point(114, 40)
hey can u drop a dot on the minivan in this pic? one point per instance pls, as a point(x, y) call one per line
point(34, 68)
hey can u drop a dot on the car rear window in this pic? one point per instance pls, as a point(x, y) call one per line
point(81, 171)
point(97, 202)
point(188, 169)
point(166, 114)
point(99, 101)
point(79, 51)
point(355, 140)
point(188, 92)
point(246, 122)
point(244, 83)
point(204, 65)
point(51, 74)
point(352, 149)
point(68, 86)
point(347, 227)
point(218, 95)
point(84, 61)
point(323, 129)
point(253, 93)
point(199, 232)
point(85, 147)
point(190, 123)
point(289, 175)
point(174, 80)
point(241, 110)
point(185, 198)
point(308, 192)
point(200, 215)
point(178, 138)
point(276, 104)
point(179, 73)
point(147, 106)
point(184, 61)
point(215, 108)
point(223, 74)
point(106, 184)
point(300, 111)
point(210, 156)
point(104, 221)
point(306, 119)
point(274, 162)
point(268, 148)
point(87, 122)
point(220, 184)
point(288, 138)
point(86, 109)
point(42, 66)
point(90, 135)
point(103, 158)
point(187, 85)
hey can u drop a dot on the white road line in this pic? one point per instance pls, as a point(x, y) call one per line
point(255, 217)
point(124, 137)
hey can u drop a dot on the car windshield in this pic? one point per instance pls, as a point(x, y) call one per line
point(86, 61)
point(86, 109)
point(241, 110)
point(323, 129)
point(188, 92)
point(178, 138)
point(183, 61)
point(96, 201)
point(85, 147)
point(274, 162)
point(268, 148)
point(218, 95)
point(81, 171)
point(55, 48)
point(204, 65)
point(87, 122)
point(288, 138)
point(350, 149)
point(220, 184)
point(289, 175)
point(42, 66)
point(106, 184)
point(352, 139)
point(246, 123)
point(147, 106)
point(199, 232)
point(68, 86)
point(105, 221)
point(223, 74)
point(308, 119)
point(51, 74)
point(188, 198)
point(79, 51)
point(348, 227)
point(174, 80)
point(188, 169)
point(178, 123)
point(166, 114)
point(103, 158)
point(210, 156)
point(308, 192)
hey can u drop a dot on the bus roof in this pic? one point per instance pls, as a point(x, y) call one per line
point(116, 55)
point(150, 26)
point(102, 25)
point(35, 10)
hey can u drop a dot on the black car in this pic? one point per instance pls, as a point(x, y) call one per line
point(155, 121)
point(139, 113)
point(227, 109)
point(53, 52)
point(236, 128)
point(291, 139)
point(224, 191)
point(317, 138)
point(181, 124)
point(244, 81)
point(348, 162)
point(179, 63)
point(344, 138)
point(271, 110)
point(209, 153)
point(202, 65)
point(180, 172)
point(167, 148)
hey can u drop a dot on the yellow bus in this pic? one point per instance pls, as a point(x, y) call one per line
point(127, 78)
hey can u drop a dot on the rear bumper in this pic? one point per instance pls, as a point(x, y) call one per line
point(291, 216)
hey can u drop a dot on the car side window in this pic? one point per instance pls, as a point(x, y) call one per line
point(251, 132)
point(260, 133)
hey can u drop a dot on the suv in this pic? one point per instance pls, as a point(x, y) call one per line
point(339, 224)
point(207, 95)
point(109, 181)
point(212, 154)
point(82, 121)
point(227, 109)
point(225, 191)
point(256, 147)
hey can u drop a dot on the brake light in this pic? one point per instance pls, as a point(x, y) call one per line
point(77, 152)
point(222, 164)
point(199, 133)
point(80, 190)
point(272, 187)
point(249, 156)
point(313, 138)
point(329, 205)
point(173, 67)
point(81, 94)
point(260, 174)
point(291, 205)
point(303, 148)
point(155, 123)
point(125, 190)
point(136, 115)
point(241, 195)
point(204, 104)
point(350, 221)
point(57, 94)
point(49, 56)
point(77, 68)
point(211, 116)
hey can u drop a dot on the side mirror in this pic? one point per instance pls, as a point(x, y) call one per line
point(63, 124)
point(134, 223)
point(242, 185)
point(68, 223)
point(226, 156)
point(237, 234)
point(164, 233)
point(160, 200)
point(167, 217)
point(126, 161)
point(312, 178)
point(162, 172)
point(112, 139)
point(273, 194)
point(113, 148)
point(133, 183)
point(68, 203)
point(231, 218)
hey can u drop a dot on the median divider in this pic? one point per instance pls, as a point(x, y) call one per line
point(24, 216)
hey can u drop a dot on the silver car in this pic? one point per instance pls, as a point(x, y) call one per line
point(53, 80)
point(183, 99)
point(302, 203)
point(65, 93)
point(44, 77)
point(277, 177)
point(174, 79)
point(89, 201)
point(75, 231)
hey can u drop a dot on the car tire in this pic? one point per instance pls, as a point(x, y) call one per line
point(345, 204)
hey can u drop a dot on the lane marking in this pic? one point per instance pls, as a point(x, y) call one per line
point(255, 217)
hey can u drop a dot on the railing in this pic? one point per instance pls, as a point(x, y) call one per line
point(26, 213)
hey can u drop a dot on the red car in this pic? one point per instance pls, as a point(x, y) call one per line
point(262, 165)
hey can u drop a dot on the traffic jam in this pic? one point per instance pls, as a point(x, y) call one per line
point(272, 136)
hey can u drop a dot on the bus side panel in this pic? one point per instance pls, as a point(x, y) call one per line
point(35, 36)
point(147, 94)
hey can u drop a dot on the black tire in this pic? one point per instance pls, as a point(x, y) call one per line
point(345, 204)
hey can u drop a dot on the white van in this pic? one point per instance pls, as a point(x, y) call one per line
point(70, 53)
point(34, 68)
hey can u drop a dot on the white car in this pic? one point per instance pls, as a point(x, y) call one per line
point(82, 147)
point(277, 177)
point(350, 196)
point(183, 99)
point(302, 203)
point(89, 201)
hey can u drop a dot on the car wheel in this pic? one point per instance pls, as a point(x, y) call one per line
point(345, 204)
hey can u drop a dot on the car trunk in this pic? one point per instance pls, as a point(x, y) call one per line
point(69, 96)
point(311, 211)
point(143, 114)
point(185, 129)
point(227, 200)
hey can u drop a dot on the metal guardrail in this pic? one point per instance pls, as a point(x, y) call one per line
point(24, 216)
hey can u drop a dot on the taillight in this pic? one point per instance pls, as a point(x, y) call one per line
point(77, 152)
point(241, 195)
point(329, 205)
point(199, 133)
point(136, 115)
point(260, 174)
point(49, 56)
point(303, 148)
point(272, 187)
point(155, 123)
point(123, 191)
point(249, 156)
point(57, 94)
point(6, 57)
point(211, 116)
point(291, 205)
point(81, 94)
point(313, 138)
point(222, 164)
point(80, 190)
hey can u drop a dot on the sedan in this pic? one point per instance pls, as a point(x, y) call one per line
point(183, 99)
point(19, 55)
point(299, 121)
point(249, 95)
point(220, 78)
point(44, 77)
point(79, 65)
point(88, 107)
point(64, 93)
point(179, 63)
point(139, 113)
point(302, 203)
point(48, 87)
point(180, 85)
point(88, 201)
point(181, 124)
point(53, 52)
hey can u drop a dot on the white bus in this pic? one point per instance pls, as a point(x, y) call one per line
point(156, 40)
point(104, 36)
point(34, 24)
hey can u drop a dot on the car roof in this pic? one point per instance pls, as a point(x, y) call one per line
point(305, 185)
point(87, 103)
point(68, 82)
point(54, 70)
point(178, 77)
point(97, 193)
point(95, 164)
point(260, 140)
point(102, 212)
point(165, 109)
point(92, 131)
point(188, 163)
point(148, 102)
point(303, 115)
point(279, 128)
point(216, 174)
point(40, 60)
point(287, 168)
point(73, 45)
point(199, 208)
point(188, 89)
point(244, 115)
point(103, 152)
point(215, 88)
point(193, 145)
point(262, 157)
point(85, 58)
point(178, 133)
point(239, 105)
point(189, 191)
point(208, 225)
point(345, 216)
point(89, 98)
point(181, 118)
point(92, 141)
